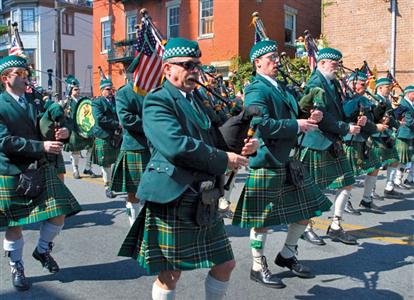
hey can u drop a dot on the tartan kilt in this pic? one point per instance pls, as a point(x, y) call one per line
point(128, 170)
point(104, 154)
point(57, 162)
point(360, 164)
point(78, 143)
point(326, 170)
point(165, 237)
point(267, 199)
point(405, 150)
point(17, 210)
point(386, 155)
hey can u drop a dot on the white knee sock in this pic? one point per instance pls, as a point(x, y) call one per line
point(369, 185)
point(215, 289)
point(295, 230)
point(161, 294)
point(257, 243)
point(106, 175)
point(88, 164)
point(48, 232)
point(390, 178)
point(340, 201)
point(399, 174)
point(133, 210)
point(74, 158)
point(15, 250)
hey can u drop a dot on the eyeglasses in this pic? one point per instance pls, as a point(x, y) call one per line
point(75, 89)
point(273, 57)
point(20, 73)
point(107, 89)
point(187, 65)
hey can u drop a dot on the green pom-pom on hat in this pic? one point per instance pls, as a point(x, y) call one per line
point(12, 61)
point(179, 47)
point(383, 81)
point(262, 48)
point(329, 53)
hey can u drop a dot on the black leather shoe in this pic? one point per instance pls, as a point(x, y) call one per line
point(294, 265)
point(340, 235)
point(375, 196)
point(402, 186)
point(393, 194)
point(310, 236)
point(409, 183)
point(370, 207)
point(19, 280)
point(265, 277)
point(90, 173)
point(46, 259)
point(349, 209)
point(109, 194)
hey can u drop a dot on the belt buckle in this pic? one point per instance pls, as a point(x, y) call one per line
point(206, 185)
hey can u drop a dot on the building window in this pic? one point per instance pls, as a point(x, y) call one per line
point(28, 20)
point(68, 23)
point(131, 21)
point(173, 21)
point(68, 62)
point(290, 25)
point(206, 17)
point(106, 35)
point(31, 57)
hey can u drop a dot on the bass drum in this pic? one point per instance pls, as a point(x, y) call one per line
point(84, 121)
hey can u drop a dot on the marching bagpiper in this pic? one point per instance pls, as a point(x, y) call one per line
point(107, 131)
point(134, 155)
point(40, 196)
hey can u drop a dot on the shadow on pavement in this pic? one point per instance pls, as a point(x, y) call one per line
point(398, 205)
point(35, 292)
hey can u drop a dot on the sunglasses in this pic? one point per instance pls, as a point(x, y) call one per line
point(107, 89)
point(76, 89)
point(20, 73)
point(272, 57)
point(187, 65)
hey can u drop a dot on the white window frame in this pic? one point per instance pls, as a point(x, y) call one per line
point(22, 17)
point(107, 19)
point(292, 12)
point(170, 5)
point(129, 15)
point(202, 35)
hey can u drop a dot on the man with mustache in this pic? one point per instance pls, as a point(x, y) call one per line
point(179, 227)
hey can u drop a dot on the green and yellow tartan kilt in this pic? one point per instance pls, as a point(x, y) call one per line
point(267, 200)
point(360, 164)
point(166, 238)
point(405, 150)
point(386, 155)
point(78, 143)
point(128, 170)
point(17, 210)
point(327, 170)
point(104, 154)
point(57, 161)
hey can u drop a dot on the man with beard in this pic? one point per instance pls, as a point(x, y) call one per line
point(323, 153)
point(179, 228)
point(271, 196)
point(23, 151)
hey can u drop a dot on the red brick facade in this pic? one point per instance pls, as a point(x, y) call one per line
point(361, 29)
point(232, 35)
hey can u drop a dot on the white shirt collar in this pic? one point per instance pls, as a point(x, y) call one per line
point(271, 80)
point(15, 97)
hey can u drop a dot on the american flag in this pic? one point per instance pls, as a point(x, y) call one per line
point(15, 48)
point(148, 72)
point(312, 51)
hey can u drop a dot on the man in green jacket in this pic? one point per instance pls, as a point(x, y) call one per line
point(405, 138)
point(22, 148)
point(107, 131)
point(179, 228)
point(134, 155)
point(269, 197)
point(323, 153)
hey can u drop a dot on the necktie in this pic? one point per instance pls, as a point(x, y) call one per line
point(22, 102)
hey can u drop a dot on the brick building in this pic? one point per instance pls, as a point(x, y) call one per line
point(222, 28)
point(362, 30)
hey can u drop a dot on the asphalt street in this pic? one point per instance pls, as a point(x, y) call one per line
point(379, 267)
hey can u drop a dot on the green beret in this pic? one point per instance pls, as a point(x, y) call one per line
point(359, 76)
point(383, 81)
point(409, 89)
point(329, 53)
point(262, 48)
point(12, 61)
point(179, 47)
point(104, 83)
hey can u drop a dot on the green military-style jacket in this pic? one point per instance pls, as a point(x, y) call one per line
point(406, 131)
point(20, 140)
point(129, 106)
point(333, 125)
point(278, 131)
point(106, 119)
point(352, 109)
point(393, 123)
point(182, 151)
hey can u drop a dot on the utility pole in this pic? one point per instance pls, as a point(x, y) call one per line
point(58, 51)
